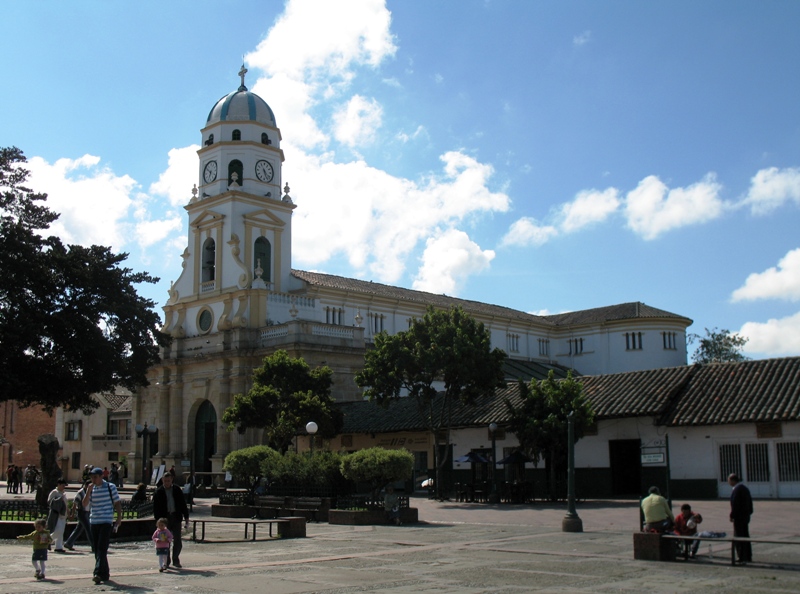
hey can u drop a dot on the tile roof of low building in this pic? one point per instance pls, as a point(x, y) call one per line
point(752, 391)
point(766, 390)
point(635, 393)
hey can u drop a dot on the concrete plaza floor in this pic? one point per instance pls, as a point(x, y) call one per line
point(458, 547)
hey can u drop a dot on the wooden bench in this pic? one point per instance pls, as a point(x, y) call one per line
point(731, 539)
point(286, 527)
point(314, 509)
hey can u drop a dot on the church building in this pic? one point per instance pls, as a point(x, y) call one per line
point(237, 299)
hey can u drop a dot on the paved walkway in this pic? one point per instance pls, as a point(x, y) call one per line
point(459, 548)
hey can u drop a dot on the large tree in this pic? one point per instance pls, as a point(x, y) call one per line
point(448, 348)
point(71, 321)
point(540, 421)
point(286, 394)
point(718, 346)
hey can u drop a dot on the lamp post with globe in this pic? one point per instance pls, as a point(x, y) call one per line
point(311, 429)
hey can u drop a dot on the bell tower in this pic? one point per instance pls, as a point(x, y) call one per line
point(239, 244)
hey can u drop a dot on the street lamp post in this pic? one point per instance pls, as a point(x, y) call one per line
point(311, 429)
point(144, 431)
point(571, 522)
point(493, 497)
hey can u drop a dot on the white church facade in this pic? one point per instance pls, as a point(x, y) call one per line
point(238, 299)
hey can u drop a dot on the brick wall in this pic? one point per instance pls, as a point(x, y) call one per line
point(21, 427)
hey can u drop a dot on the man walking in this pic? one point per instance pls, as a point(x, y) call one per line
point(168, 502)
point(82, 516)
point(741, 510)
point(103, 500)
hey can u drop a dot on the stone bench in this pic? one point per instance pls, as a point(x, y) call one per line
point(290, 527)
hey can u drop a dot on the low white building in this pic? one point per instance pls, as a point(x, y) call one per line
point(684, 429)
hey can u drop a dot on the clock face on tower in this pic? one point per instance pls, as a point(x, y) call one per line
point(210, 172)
point(264, 171)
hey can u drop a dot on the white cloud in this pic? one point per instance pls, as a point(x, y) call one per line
point(99, 207)
point(356, 123)
point(450, 257)
point(528, 231)
point(403, 137)
point(590, 206)
point(653, 209)
point(316, 38)
point(383, 218)
point(93, 202)
point(776, 337)
point(582, 39)
point(310, 55)
point(151, 232)
point(770, 188)
point(781, 282)
point(181, 174)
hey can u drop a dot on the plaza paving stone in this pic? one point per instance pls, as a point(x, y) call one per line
point(458, 548)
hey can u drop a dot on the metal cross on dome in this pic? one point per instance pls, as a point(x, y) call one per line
point(242, 72)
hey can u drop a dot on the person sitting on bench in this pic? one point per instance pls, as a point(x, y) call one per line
point(686, 525)
point(657, 513)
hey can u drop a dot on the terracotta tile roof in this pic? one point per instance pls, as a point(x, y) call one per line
point(402, 414)
point(635, 393)
point(752, 391)
point(419, 297)
point(720, 393)
point(516, 369)
point(119, 401)
point(623, 311)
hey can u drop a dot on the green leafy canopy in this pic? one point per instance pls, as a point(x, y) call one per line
point(71, 321)
point(285, 395)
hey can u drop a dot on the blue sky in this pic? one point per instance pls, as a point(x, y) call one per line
point(544, 156)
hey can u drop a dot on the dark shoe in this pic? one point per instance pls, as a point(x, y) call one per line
point(177, 563)
point(59, 551)
point(161, 569)
point(97, 579)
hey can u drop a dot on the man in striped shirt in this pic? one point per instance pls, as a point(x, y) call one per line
point(104, 500)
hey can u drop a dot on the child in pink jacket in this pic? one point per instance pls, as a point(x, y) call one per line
point(163, 538)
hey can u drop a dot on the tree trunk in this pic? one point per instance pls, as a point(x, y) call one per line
point(51, 471)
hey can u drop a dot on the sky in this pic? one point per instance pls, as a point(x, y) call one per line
point(543, 156)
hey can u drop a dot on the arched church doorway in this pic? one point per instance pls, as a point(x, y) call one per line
point(205, 437)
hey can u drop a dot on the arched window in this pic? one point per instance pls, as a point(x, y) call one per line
point(209, 260)
point(235, 166)
point(265, 139)
point(262, 254)
point(237, 135)
point(210, 140)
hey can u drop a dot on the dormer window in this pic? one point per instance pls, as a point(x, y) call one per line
point(210, 140)
point(237, 135)
point(265, 139)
